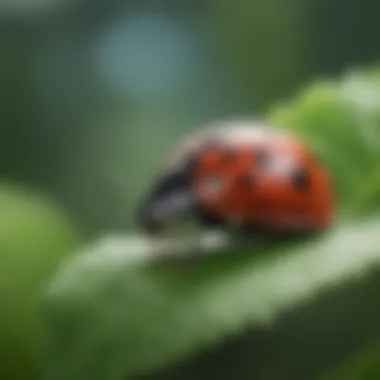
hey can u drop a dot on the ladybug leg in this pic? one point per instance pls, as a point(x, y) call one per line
point(209, 220)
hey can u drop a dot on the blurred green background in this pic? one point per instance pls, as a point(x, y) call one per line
point(92, 94)
point(90, 87)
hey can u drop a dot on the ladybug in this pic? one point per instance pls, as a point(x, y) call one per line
point(244, 177)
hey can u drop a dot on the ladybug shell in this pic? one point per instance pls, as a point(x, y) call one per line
point(260, 177)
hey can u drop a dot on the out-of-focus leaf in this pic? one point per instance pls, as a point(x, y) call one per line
point(364, 367)
point(113, 316)
point(34, 237)
point(110, 316)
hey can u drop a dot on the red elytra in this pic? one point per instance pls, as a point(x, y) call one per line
point(263, 177)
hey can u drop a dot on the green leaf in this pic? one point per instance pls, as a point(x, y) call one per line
point(366, 366)
point(118, 309)
point(113, 316)
point(35, 235)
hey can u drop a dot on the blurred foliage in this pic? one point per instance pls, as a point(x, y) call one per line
point(34, 238)
point(110, 316)
point(364, 367)
point(267, 45)
point(82, 139)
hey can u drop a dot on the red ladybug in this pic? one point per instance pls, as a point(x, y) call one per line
point(241, 176)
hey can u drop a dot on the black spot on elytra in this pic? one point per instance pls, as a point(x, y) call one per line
point(300, 180)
